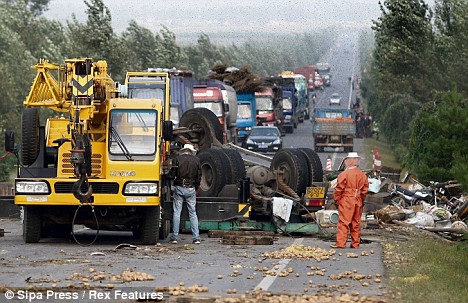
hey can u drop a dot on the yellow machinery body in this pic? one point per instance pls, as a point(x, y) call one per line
point(100, 150)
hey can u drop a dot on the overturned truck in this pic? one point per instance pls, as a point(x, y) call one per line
point(239, 188)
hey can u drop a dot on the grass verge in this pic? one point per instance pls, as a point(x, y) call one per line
point(426, 270)
point(385, 151)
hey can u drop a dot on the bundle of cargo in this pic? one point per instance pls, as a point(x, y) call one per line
point(242, 80)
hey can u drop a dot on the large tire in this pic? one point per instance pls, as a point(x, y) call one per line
point(149, 229)
point(237, 165)
point(165, 229)
point(315, 165)
point(32, 224)
point(215, 173)
point(206, 121)
point(30, 136)
point(294, 164)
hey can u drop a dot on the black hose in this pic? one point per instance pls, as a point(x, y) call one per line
point(73, 224)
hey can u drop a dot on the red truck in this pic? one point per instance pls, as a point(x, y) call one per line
point(269, 106)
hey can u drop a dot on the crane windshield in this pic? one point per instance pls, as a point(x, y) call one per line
point(133, 134)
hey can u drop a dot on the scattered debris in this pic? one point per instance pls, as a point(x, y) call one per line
point(323, 297)
point(126, 246)
point(301, 252)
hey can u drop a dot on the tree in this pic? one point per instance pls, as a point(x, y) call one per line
point(403, 47)
point(400, 110)
point(438, 148)
point(169, 54)
point(36, 7)
point(141, 45)
point(402, 64)
point(16, 76)
point(203, 56)
point(451, 42)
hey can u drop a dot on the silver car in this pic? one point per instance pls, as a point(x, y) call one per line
point(335, 99)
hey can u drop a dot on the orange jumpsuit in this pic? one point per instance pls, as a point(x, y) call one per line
point(349, 195)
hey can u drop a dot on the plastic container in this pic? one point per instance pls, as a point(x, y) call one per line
point(329, 216)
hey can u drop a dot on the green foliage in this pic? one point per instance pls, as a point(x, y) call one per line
point(438, 146)
point(399, 75)
point(459, 170)
point(418, 55)
point(451, 41)
point(397, 118)
point(400, 151)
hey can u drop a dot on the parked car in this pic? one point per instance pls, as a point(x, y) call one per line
point(264, 139)
point(335, 99)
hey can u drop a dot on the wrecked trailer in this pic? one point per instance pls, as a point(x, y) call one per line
point(244, 190)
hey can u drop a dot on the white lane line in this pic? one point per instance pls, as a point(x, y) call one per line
point(268, 280)
point(352, 78)
point(335, 154)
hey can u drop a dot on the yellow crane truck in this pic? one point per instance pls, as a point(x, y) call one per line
point(100, 151)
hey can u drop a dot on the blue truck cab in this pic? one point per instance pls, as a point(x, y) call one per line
point(246, 114)
point(181, 92)
point(290, 105)
point(144, 85)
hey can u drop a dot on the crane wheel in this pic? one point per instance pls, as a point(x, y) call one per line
point(314, 164)
point(215, 173)
point(149, 229)
point(32, 224)
point(30, 136)
point(294, 165)
point(205, 126)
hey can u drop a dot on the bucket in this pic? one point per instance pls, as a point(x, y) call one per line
point(329, 216)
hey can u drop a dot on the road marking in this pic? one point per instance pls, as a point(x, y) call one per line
point(335, 154)
point(352, 78)
point(268, 280)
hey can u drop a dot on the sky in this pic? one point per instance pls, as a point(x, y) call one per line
point(228, 17)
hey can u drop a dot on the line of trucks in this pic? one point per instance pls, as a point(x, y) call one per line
point(103, 160)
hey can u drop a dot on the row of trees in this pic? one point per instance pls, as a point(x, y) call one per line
point(416, 85)
point(26, 36)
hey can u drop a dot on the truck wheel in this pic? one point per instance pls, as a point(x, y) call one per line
point(32, 224)
point(149, 229)
point(215, 173)
point(294, 165)
point(165, 229)
point(205, 124)
point(315, 165)
point(30, 136)
point(237, 164)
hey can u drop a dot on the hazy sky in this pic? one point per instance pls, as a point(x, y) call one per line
point(188, 18)
point(196, 16)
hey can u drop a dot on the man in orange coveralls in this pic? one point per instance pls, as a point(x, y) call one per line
point(349, 195)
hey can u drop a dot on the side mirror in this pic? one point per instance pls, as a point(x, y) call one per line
point(10, 141)
point(226, 107)
point(168, 130)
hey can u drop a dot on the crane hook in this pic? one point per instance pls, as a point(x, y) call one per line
point(83, 197)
